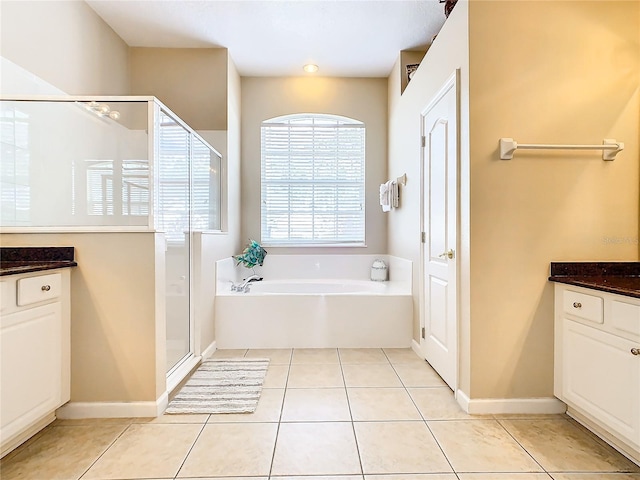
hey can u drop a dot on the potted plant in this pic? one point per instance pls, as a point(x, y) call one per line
point(252, 255)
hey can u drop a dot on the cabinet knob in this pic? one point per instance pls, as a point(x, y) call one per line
point(577, 305)
point(635, 351)
point(46, 288)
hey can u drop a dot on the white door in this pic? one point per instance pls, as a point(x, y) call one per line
point(440, 232)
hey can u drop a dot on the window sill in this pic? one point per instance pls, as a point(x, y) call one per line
point(211, 232)
point(312, 245)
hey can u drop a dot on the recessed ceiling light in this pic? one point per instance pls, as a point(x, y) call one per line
point(310, 68)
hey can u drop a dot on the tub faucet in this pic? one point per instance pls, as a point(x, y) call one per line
point(243, 287)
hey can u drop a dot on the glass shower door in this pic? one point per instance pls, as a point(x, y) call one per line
point(173, 218)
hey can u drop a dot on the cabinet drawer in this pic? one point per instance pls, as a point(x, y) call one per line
point(588, 307)
point(38, 289)
point(625, 317)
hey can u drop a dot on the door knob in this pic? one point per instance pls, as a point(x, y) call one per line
point(449, 254)
point(635, 351)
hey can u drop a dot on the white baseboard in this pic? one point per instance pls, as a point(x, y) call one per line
point(487, 406)
point(210, 350)
point(462, 400)
point(75, 410)
point(415, 346)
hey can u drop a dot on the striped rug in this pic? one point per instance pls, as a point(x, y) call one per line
point(230, 385)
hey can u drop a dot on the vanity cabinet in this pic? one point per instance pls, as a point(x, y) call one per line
point(597, 362)
point(34, 352)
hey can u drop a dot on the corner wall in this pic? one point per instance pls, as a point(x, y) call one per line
point(190, 81)
point(447, 53)
point(364, 99)
point(545, 72)
point(217, 246)
point(113, 317)
point(66, 44)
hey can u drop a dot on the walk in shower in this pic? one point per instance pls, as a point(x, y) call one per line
point(111, 165)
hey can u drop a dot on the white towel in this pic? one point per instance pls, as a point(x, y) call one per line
point(395, 195)
point(385, 196)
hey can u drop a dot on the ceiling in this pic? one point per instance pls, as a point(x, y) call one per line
point(345, 38)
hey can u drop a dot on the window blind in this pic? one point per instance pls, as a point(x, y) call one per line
point(172, 215)
point(312, 176)
point(189, 183)
point(15, 181)
point(205, 172)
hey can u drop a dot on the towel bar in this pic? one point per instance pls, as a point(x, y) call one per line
point(610, 148)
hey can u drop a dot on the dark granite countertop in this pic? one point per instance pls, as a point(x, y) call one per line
point(622, 278)
point(14, 260)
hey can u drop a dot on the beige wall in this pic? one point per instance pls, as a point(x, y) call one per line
point(113, 321)
point(66, 44)
point(358, 98)
point(190, 81)
point(545, 72)
point(233, 194)
point(531, 71)
point(448, 53)
point(217, 246)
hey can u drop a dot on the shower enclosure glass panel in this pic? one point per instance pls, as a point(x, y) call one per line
point(206, 199)
point(173, 217)
point(71, 164)
point(114, 164)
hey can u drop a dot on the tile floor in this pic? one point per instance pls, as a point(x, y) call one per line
point(346, 414)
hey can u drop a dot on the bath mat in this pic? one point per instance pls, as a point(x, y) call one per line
point(230, 385)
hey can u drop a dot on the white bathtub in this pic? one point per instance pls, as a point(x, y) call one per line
point(320, 312)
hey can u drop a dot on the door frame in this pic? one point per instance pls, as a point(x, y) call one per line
point(453, 81)
point(179, 371)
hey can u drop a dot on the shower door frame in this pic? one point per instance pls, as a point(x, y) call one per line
point(181, 369)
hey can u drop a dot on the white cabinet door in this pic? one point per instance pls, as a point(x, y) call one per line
point(602, 377)
point(31, 366)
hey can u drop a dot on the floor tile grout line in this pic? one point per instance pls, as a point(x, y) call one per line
point(105, 451)
point(441, 448)
point(521, 446)
point(419, 413)
point(127, 426)
point(416, 405)
point(284, 397)
point(184, 460)
point(425, 421)
point(429, 428)
point(353, 425)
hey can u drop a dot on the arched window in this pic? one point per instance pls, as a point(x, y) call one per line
point(313, 168)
